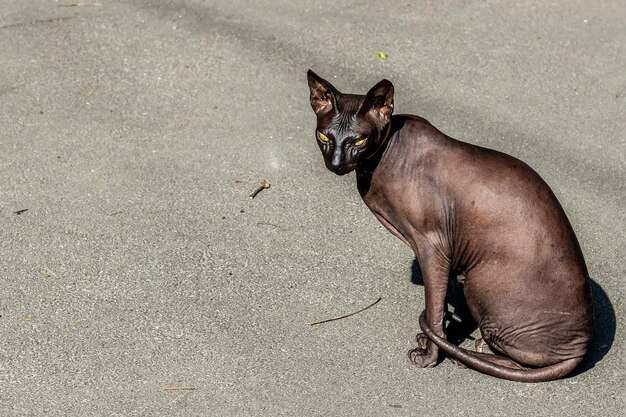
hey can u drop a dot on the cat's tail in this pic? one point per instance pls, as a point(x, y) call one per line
point(475, 361)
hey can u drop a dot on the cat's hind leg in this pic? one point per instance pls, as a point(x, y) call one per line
point(484, 351)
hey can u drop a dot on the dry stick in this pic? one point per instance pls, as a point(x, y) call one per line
point(179, 388)
point(454, 317)
point(78, 4)
point(263, 186)
point(347, 315)
point(268, 224)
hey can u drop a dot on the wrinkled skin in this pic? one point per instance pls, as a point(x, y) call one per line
point(481, 213)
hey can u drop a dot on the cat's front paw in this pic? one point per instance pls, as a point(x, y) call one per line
point(424, 356)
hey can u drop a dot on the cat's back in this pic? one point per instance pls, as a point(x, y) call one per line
point(479, 182)
point(419, 139)
point(425, 145)
point(416, 142)
point(491, 190)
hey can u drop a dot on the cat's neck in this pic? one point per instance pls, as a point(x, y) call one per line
point(385, 162)
point(367, 165)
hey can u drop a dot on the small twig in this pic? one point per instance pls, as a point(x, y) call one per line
point(179, 388)
point(268, 224)
point(453, 317)
point(20, 211)
point(347, 315)
point(116, 213)
point(263, 186)
point(78, 4)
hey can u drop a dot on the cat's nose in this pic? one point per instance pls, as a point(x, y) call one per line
point(337, 164)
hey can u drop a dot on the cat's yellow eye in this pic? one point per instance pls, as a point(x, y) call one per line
point(358, 142)
point(323, 137)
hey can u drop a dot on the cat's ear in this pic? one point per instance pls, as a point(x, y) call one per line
point(379, 101)
point(322, 93)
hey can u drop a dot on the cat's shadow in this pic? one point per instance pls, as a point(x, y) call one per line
point(604, 320)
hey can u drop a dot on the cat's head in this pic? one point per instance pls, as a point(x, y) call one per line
point(350, 127)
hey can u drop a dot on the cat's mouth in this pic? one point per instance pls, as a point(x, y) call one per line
point(340, 166)
point(342, 169)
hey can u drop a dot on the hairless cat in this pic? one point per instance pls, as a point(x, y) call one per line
point(483, 214)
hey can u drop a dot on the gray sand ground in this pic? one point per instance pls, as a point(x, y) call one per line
point(133, 132)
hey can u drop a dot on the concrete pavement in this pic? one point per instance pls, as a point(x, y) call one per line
point(133, 132)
